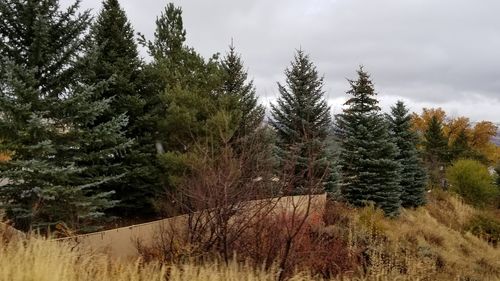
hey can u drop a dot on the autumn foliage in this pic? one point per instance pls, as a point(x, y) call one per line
point(478, 135)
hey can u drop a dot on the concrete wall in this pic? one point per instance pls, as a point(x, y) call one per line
point(9, 232)
point(121, 242)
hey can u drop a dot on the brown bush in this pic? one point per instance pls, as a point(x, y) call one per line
point(314, 249)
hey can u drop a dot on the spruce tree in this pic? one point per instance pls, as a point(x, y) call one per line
point(50, 119)
point(114, 59)
point(436, 152)
point(413, 176)
point(238, 95)
point(460, 147)
point(369, 169)
point(435, 142)
point(302, 120)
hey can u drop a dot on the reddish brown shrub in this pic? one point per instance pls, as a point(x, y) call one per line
point(314, 249)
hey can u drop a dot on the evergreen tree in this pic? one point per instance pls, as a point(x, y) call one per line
point(302, 120)
point(184, 89)
point(460, 147)
point(49, 118)
point(435, 151)
point(115, 59)
point(369, 169)
point(435, 142)
point(238, 96)
point(413, 176)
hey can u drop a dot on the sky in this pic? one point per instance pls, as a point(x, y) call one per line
point(427, 53)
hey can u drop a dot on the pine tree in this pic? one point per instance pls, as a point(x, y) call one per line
point(413, 176)
point(302, 120)
point(238, 96)
point(435, 143)
point(184, 102)
point(115, 60)
point(369, 169)
point(435, 150)
point(49, 118)
point(460, 147)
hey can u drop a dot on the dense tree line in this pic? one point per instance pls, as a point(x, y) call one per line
point(93, 131)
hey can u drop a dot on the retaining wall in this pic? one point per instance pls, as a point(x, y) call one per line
point(121, 242)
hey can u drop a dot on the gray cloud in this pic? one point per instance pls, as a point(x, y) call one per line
point(429, 53)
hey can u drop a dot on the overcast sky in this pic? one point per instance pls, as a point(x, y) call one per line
point(428, 53)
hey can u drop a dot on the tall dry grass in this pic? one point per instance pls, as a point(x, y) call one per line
point(43, 260)
point(430, 243)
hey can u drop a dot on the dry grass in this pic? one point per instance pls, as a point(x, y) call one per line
point(429, 243)
point(43, 260)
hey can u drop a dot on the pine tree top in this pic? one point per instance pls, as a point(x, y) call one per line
point(236, 77)
point(169, 35)
point(434, 137)
point(114, 34)
point(400, 126)
point(362, 94)
point(50, 34)
point(301, 111)
point(239, 94)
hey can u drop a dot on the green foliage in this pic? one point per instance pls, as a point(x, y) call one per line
point(413, 176)
point(51, 119)
point(471, 180)
point(436, 152)
point(460, 147)
point(301, 118)
point(435, 143)
point(485, 226)
point(169, 36)
point(184, 108)
point(238, 96)
point(369, 169)
point(114, 59)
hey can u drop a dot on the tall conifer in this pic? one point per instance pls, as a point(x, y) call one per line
point(302, 120)
point(460, 147)
point(114, 59)
point(413, 176)
point(184, 94)
point(50, 118)
point(436, 152)
point(238, 95)
point(370, 171)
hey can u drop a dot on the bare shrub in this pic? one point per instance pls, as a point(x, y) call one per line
point(234, 205)
point(315, 248)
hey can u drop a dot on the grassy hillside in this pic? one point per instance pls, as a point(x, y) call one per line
point(431, 243)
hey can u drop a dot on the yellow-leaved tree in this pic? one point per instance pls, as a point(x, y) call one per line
point(462, 135)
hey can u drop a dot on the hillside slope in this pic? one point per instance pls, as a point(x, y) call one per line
point(430, 243)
